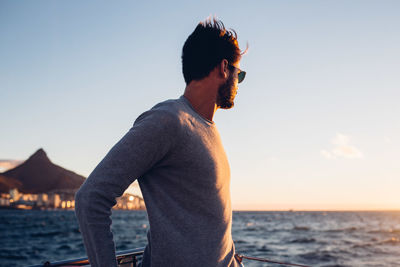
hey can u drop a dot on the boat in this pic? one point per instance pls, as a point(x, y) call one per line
point(125, 258)
point(131, 258)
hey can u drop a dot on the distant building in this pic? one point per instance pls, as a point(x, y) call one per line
point(54, 201)
point(14, 194)
point(61, 199)
point(130, 202)
point(42, 200)
point(4, 202)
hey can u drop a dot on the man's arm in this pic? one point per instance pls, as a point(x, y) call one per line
point(149, 140)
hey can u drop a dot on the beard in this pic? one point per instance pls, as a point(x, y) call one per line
point(226, 94)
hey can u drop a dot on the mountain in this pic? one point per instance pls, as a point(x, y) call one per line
point(7, 183)
point(39, 175)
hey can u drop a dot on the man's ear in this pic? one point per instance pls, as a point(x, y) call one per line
point(223, 68)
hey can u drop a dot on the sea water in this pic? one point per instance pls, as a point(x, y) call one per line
point(312, 238)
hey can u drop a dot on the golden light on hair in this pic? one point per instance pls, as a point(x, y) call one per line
point(246, 50)
point(212, 20)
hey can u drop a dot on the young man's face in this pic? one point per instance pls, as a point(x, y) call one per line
point(228, 90)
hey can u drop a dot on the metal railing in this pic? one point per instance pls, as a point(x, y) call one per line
point(125, 258)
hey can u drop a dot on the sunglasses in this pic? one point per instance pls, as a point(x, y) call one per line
point(241, 73)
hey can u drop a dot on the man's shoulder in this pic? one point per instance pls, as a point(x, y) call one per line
point(170, 106)
point(166, 112)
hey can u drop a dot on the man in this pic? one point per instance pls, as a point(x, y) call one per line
point(175, 152)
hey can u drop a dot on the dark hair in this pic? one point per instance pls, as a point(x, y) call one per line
point(206, 47)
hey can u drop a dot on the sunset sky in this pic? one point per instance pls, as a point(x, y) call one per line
point(316, 123)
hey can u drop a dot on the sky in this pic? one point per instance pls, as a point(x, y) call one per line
point(315, 124)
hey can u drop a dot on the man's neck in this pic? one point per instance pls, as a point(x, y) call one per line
point(202, 96)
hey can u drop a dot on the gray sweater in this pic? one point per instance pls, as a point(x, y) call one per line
point(183, 173)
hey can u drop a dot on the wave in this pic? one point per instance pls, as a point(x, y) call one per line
point(318, 256)
point(301, 228)
point(339, 230)
point(251, 229)
point(385, 231)
point(335, 265)
point(64, 247)
point(303, 241)
point(264, 249)
point(391, 241)
point(45, 234)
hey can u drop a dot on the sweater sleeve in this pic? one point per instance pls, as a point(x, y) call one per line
point(147, 142)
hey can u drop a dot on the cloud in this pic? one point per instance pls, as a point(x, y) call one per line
point(342, 149)
point(340, 140)
point(6, 164)
point(387, 140)
point(327, 154)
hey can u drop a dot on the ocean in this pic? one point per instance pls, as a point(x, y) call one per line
point(311, 238)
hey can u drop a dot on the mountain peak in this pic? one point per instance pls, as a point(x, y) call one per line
point(39, 175)
point(40, 154)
